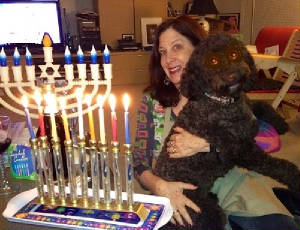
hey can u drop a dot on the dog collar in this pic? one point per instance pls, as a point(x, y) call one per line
point(223, 100)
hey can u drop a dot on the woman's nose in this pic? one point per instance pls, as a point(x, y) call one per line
point(170, 57)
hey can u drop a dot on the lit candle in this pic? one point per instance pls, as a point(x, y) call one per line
point(38, 100)
point(80, 56)
point(80, 114)
point(67, 56)
point(101, 118)
point(112, 102)
point(106, 55)
point(51, 102)
point(88, 100)
point(94, 57)
point(62, 103)
point(2, 57)
point(28, 119)
point(28, 57)
point(47, 41)
point(16, 57)
point(126, 102)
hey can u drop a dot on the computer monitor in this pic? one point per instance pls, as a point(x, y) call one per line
point(24, 22)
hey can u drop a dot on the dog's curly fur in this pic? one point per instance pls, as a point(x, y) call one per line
point(219, 112)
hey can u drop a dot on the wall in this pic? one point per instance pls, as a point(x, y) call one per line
point(72, 7)
point(268, 13)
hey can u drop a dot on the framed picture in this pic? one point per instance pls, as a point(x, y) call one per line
point(231, 22)
point(128, 37)
point(148, 28)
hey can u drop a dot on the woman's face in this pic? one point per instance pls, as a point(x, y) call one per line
point(175, 50)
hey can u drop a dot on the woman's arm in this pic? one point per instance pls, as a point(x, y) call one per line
point(187, 144)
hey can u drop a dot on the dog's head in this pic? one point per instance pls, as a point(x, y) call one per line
point(219, 66)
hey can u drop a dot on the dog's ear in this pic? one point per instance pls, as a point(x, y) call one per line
point(250, 82)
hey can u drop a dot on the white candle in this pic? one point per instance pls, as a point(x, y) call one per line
point(101, 118)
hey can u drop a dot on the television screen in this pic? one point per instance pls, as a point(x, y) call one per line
point(25, 22)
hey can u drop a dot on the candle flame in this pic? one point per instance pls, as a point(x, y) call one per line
point(78, 94)
point(112, 102)
point(100, 100)
point(126, 101)
point(37, 97)
point(51, 102)
point(47, 42)
point(24, 101)
point(62, 102)
point(88, 99)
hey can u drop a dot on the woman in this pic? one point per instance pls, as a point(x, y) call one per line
point(176, 39)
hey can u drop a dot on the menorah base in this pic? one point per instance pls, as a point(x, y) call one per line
point(137, 210)
point(26, 208)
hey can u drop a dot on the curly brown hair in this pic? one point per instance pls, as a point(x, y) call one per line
point(168, 95)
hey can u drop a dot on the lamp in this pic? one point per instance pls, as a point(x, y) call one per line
point(203, 7)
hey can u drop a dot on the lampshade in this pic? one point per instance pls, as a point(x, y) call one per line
point(202, 7)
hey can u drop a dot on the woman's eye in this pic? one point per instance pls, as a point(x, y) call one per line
point(177, 47)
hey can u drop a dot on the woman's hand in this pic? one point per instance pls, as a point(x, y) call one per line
point(184, 144)
point(173, 191)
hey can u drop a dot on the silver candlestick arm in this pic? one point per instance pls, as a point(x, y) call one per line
point(59, 170)
point(71, 171)
point(47, 160)
point(95, 172)
point(38, 169)
point(83, 170)
point(129, 175)
point(105, 173)
point(117, 174)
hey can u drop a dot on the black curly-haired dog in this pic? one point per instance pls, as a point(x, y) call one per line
point(218, 111)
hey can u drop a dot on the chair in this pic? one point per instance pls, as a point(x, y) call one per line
point(284, 82)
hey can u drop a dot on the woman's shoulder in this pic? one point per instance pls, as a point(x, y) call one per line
point(155, 106)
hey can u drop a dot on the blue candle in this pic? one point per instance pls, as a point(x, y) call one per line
point(126, 118)
point(67, 56)
point(106, 55)
point(16, 57)
point(2, 57)
point(127, 132)
point(28, 119)
point(94, 57)
point(28, 57)
point(80, 56)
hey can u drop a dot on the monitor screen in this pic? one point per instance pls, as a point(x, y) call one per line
point(25, 22)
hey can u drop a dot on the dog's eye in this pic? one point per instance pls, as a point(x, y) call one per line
point(214, 61)
point(233, 55)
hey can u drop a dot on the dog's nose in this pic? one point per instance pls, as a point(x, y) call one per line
point(232, 78)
